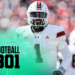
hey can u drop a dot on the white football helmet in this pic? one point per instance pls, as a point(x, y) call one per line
point(38, 14)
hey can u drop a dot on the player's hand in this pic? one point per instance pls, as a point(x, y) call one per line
point(57, 72)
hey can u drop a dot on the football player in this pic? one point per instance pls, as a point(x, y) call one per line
point(71, 68)
point(42, 42)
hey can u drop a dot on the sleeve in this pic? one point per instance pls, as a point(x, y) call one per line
point(67, 57)
point(63, 48)
point(61, 38)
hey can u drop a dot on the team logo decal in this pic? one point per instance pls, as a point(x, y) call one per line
point(36, 36)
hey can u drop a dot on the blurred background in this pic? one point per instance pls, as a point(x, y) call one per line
point(13, 12)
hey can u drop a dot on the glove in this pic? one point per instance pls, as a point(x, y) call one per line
point(57, 72)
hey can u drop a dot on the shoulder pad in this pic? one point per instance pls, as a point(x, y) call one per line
point(59, 31)
point(19, 30)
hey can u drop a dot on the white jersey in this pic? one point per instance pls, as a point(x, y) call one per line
point(42, 47)
point(71, 68)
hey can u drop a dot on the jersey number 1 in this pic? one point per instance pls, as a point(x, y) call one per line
point(38, 54)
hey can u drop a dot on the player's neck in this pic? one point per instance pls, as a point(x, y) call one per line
point(36, 30)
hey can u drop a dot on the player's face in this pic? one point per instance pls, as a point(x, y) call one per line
point(38, 19)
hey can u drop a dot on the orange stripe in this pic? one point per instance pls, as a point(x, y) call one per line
point(39, 5)
point(60, 32)
point(36, 26)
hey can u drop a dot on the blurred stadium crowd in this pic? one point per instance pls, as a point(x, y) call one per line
point(13, 12)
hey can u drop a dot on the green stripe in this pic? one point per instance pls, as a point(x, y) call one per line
point(59, 34)
point(37, 4)
point(16, 34)
point(40, 4)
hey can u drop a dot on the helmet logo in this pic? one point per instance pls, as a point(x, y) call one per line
point(38, 5)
